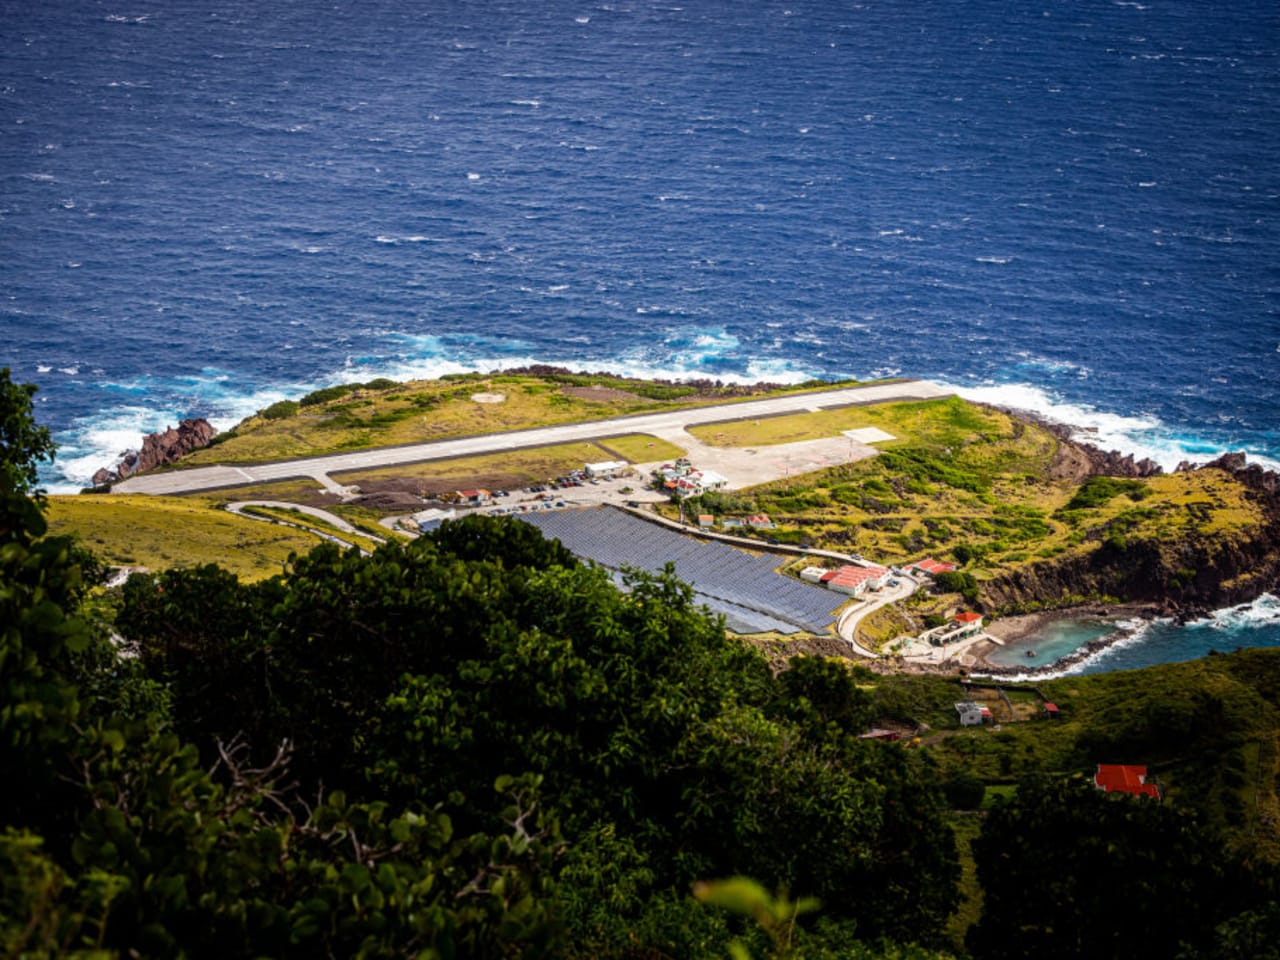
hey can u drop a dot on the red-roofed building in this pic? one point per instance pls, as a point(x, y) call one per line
point(1051, 709)
point(1125, 778)
point(854, 580)
point(967, 624)
point(759, 520)
point(932, 567)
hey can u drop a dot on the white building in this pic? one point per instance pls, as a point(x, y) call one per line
point(605, 468)
point(972, 714)
point(711, 480)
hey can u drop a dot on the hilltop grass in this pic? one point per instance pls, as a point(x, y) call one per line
point(164, 532)
point(971, 484)
point(641, 448)
point(385, 413)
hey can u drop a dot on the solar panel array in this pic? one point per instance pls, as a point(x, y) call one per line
point(731, 581)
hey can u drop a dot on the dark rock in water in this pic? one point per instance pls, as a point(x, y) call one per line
point(158, 449)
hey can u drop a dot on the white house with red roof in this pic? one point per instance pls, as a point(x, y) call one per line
point(855, 580)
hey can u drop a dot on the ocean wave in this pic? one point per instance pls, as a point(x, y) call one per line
point(1143, 436)
point(1138, 643)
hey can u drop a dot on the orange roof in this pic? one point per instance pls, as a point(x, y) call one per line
point(848, 576)
point(1125, 778)
point(967, 617)
point(930, 565)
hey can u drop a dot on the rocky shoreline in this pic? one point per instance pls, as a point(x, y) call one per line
point(159, 449)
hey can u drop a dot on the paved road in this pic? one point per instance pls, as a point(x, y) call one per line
point(319, 468)
point(239, 506)
point(847, 625)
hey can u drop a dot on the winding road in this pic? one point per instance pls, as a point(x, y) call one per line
point(335, 521)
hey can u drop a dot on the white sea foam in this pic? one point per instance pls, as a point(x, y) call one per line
point(43, 368)
point(1143, 436)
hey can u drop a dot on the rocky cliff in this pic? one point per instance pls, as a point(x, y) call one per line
point(159, 449)
point(1186, 577)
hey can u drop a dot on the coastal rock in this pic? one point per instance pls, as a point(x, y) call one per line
point(1186, 578)
point(158, 449)
point(1077, 461)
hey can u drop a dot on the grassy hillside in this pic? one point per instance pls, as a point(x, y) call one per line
point(974, 485)
point(1208, 729)
point(163, 532)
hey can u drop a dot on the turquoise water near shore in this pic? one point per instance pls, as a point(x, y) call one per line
point(1055, 641)
point(1143, 643)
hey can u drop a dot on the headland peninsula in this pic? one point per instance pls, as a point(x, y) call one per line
point(966, 527)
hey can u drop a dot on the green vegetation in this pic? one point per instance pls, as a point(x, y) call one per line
point(280, 410)
point(163, 532)
point(641, 448)
point(1096, 491)
point(473, 745)
point(995, 494)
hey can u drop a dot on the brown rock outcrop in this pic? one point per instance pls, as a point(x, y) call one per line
point(159, 449)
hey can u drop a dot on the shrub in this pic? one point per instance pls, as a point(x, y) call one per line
point(325, 394)
point(964, 791)
point(1097, 491)
point(281, 410)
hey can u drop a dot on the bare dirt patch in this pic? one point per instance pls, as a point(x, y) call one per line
point(428, 484)
point(600, 393)
point(489, 397)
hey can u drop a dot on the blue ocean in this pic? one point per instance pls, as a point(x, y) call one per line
point(1074, 208)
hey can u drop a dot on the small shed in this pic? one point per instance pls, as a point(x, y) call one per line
point(972, 714)
point(813, 574)
point(879, 733)
point(1051, 710)
point(706, 520)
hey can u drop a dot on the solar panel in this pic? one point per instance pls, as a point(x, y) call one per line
point(743, 587)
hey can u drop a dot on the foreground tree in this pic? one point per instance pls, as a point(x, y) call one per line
point(116, 838)
point(1069, 871)
point(374, 756)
